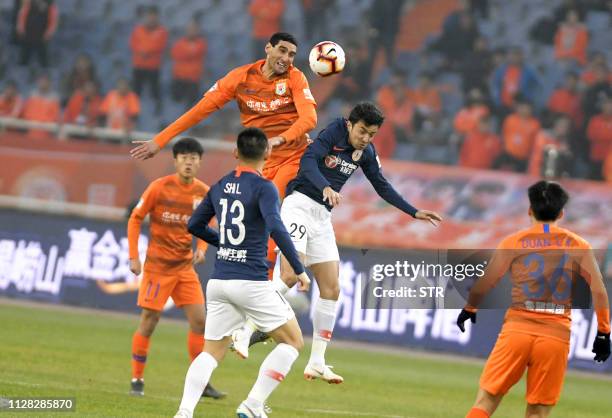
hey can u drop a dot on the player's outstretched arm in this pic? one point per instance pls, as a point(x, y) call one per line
point(306, 109)
point(315, 152)
point(144, 206)
point(215, 98)
point(269, 207)
point(198, 223)
point(427, 215)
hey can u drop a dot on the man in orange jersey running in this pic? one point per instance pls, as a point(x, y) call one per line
point(544, 261)
point(271, 95)
point(168, 269)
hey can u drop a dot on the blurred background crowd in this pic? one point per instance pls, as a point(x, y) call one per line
point(522, 85)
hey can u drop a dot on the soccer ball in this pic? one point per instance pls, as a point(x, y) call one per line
point(326, 58)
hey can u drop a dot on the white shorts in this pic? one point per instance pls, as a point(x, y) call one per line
point(230, 302)
point(309, 224)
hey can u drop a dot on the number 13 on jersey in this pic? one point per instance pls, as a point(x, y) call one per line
point(236, 212)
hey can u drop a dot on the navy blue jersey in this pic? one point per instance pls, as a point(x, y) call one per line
point(330, 160)
point(247, 210)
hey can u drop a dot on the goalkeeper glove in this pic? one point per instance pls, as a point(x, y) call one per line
point(601, 347)
point(464, 316)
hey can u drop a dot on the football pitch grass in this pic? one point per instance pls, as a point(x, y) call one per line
point(47, 351)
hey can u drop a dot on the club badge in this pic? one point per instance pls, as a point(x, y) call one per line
point(357, 155)
point(281, 88)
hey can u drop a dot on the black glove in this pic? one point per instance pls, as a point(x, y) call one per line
point(465, 315)
point(601, 347)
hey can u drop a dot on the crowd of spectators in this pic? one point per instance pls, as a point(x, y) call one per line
point(503, 120)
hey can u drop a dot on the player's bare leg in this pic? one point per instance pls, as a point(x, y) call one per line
point(538, 411)
point(326, 274)
point(248, 335)
point(195, 341)
point(140, 347)
point(485, 404)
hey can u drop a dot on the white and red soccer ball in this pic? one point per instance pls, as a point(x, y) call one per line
point(326, 58)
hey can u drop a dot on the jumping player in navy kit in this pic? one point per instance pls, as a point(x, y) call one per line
point(246, 207)
point(339, 150)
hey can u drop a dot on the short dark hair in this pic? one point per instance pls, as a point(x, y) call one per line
point(547, 200)
point(187, 146)
point(368, 112)
point(282, 36)
point(252, 144)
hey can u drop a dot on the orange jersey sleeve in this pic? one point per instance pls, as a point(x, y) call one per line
point(305, 105)
point(215, 98)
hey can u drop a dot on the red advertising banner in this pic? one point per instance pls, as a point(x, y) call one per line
point(479, 207)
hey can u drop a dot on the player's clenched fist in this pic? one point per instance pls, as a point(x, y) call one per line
point(303, 282)
point(331, 196)
point(135, 266)
point(199, 257)
point(146, 150)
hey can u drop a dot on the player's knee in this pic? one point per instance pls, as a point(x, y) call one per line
point(330, 291)
point(197, 325)
point(148, 322)
point(537, 411)
point(297, 342)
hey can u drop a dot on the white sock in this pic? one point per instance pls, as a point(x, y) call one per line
point(279, 285)
point(323, 325)
point(272, 371)
point(249, 328)
point(196, 380)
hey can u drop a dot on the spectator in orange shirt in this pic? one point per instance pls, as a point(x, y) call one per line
point(36, 25)
point(566, 100)
point(599, 133)
point(511, 79)
point(188, 56)
point(426, 99)
point(266, 16)
point(393, 99)
point(83, 71)
point(572, 39)
point(518, 134)
point(147, 43)
point(467, 119)
point(11, 102)
point(84, 105)
point(481, 146)
point(551, 156)
point(121, 107)
point(42, 105)
point(597, 60)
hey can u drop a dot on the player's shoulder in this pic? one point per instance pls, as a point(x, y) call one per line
point(295, 74)
point(337, 128)
point(162, 181)
point(201, 186)
point(573, 239)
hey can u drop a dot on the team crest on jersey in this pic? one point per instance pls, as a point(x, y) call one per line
point(331, 161)
point(281, 88)
point(357, 155)
point(196, 202)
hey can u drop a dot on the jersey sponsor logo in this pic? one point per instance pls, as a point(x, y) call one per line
point(334, 161)
point(272, 106)
point(232, 254)
point(281, 88)
point(308, 95)
point(357, 155)
point(171, 217)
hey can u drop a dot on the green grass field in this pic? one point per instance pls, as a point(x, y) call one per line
point(57, 352)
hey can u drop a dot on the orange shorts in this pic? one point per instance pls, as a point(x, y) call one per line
point(282, 174)
point(155, 288)
point(545, 359)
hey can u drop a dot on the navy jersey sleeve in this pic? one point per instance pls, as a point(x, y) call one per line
point(316, 152)
point(198, 224)
point(269, 207)
point(371, 169)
